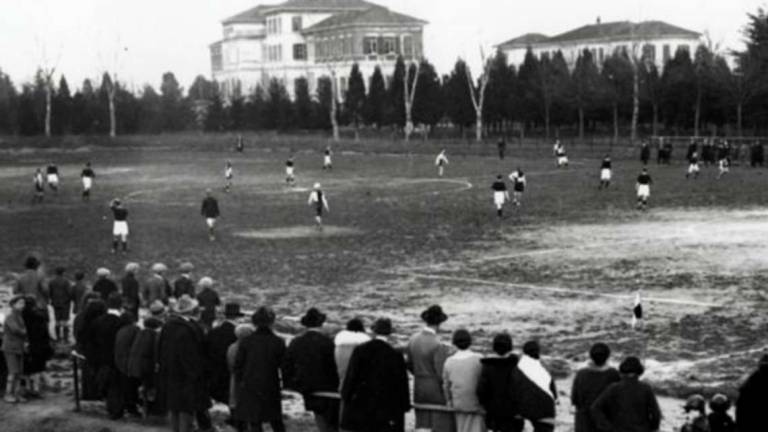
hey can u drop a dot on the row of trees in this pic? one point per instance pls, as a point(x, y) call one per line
point(693, 93)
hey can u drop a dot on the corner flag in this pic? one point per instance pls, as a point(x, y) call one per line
point(637, 310)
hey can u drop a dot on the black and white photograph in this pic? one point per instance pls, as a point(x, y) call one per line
point(383, 216)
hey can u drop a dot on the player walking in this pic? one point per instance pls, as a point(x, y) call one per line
point(500, 194)
point(605, 172)
point(87, 176)
point(39, 186)
point(643, 188)
point(441, 161)
point(320, 203)
point(518, 186)
point(52, 177)
point(290, 178)
point(327, 162)
point(724, 167)
point(229, 174)
point(210, 211)
point(560, 155)
point(693, 165)
point(120, 225)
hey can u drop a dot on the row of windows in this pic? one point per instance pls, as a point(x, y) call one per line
point(648, 52)
point(371, 45)
point(274, 53)
point(275, 24)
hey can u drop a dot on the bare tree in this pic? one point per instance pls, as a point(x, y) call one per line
point(478, 95)
point(409, 96)
point(334, 104)
point(113, 85)
point(48, 68)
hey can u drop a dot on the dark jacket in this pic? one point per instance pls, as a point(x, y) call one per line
point(40, 349)
point(721, 422)
point(183, 285)
point(588, 385)
point(375, 389)
point(210, 208)
point(310, 367)
point(123, 342)
point(104, 287)
point(181, 358)
point(627, 406)
point(130, 291)
point(61, 293)
point(533, 402)
point(143, 355)
point(209, 300)
point(104, 333)
point(751, 404)
point(496, 392)
point(219, 339)
point(257, 376)
point(78, 292)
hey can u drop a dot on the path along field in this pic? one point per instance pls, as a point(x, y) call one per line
point(562, 268)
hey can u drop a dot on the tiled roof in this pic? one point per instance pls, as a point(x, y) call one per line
point(374, 15)
point(524, 40)
point(253, 15)
point(323, 5)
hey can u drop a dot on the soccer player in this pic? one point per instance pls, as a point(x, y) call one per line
point(502, 147)
point(643, 188)
point(229, 174)
point(290, 178)
point(210, 211)
point(693, 165)
point(560, 155)
point(518, 186)
point(327, 162)
point(120, 225)
point(500, 194)
point(39, 186)
point(605, 172)
point(645, 152)
point(724, 167)
point(87, 175)
point(441, 161)
point(52, 177)
point(239, 146)
point(319, 202)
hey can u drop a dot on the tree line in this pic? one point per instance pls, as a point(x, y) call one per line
point(695, 93)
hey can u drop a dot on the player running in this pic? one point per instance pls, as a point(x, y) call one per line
point(290, 178)
point(52, 177)
point(724, 167)
point(500, 195)
point(229, 174)
point(120, 225)
point(643, 188)
point(87, 176)
point(518, 186)
point(693, 165)
point(441, 161)
point(327, 162)
point(561, 157)
point(605, 173)
point(210, 211)
point(39, 186)
point(318, 201)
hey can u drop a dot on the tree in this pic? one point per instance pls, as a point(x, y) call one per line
point(200, 97)
point(703, 64)
point(617, 85)
point(395, 107)
point(501, 82)
point(255, 109)
point(62, 108)
point(554, 83)
point(752, 69)
point(410, 86)
point(585, 84)
point(354, 101)
point(334, 102)
point(678, 83)
point(29, 118)
point(457, 97)
point(651, 92)
point(277, 111)
point(174, 113)
point(374, 108)
point(428, 105)
point(529, 92)
point(303, 104)
point(323, 108)
point(151, 108)
point(236, 112)
point(216, 115)
point(477, 94)
point(9, 100)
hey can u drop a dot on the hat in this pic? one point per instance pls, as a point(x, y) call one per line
point(264, 316)
point(186, 305)
point(695, 403)
point(434, 315)
point(317, 186)
point(15, 299)
point(382, 327)
point(313, 318)
point(157, 308)
point(244, 330)
point(131, 267)
point(205, 282)
point(720, 403)
point(232, 310)
point(103, 272)
point(186, 267)
point(159, 267)
point(631, 365)
point(152, 323)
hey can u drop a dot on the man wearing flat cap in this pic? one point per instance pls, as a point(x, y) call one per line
point(628, 404)
point(184, 284)
point(310, 367)
point(218, 340)
point(156, 287)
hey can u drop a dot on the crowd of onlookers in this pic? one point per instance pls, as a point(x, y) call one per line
point(153, 347)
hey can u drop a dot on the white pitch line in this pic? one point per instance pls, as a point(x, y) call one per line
point(550, 289)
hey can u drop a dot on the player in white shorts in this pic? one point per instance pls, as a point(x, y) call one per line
point(500, 195)
point(87, 176)
point(724, 167)
point(119, 226)
point(561, 157)
point(210, 211)
point(327, 162)
point(290, 178)
point(643, 188)
point(52, 177)
point(320, 203)
point(518, 186)
point(39, 186)
point(441, 161)
point(605, 172)
point(229, 174)
point(693, 165)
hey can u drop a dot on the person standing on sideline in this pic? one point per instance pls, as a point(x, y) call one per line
point(229, 175)
point(39, 182)
point(589, 385)
point(495, 389)
point(645, 152)
point(129, 288)
point(127, 399)
point(290, 177)
point(87, 176)
point(561, 157)
point(257, 374)
point(327, 162)
point(750, 406)
point(627, 405)
point(104, 286)
point(441, 161)
point(79, 289)
point(693, 166)
point(104, 334)
point(460, 378)
point(209, 300)
point(643, 188)
point(518, 186)
point(320, 203)
point(184, 284)
point(345, 342)
point(120, 225)
point(218, 341)
point(156, 287)
point(240, 145)
point(537, 395)
point(502, 147)
point(500, 195)
point(242, 331)
point(52, 177)
point(14, 345)
point(719, 420)
point(210, 211)
point(309, 367)
point(32, 283)
point(375, 390)
point(425, 357)
point(605, 172)
point(61, 300)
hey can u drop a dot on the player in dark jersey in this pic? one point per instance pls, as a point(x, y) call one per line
point(39, 182)
point(518, 186)
point(119, 226)
point(643, 188)
point(320, 203)
point(210, 211)
point(290, 178)
point(87, 176)
point(693, 165)
point(605, 172)
point(500, 195)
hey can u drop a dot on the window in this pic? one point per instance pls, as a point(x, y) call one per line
point(296, 24)
point(407, 46)
point(274, 25)
point(388, 45)
point(667, 53)
point(299, 51)
point(370, 45)
point(274, 53)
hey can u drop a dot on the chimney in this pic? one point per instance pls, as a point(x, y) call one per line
point(598, 20)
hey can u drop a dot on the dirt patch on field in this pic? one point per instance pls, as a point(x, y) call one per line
point(297, 232)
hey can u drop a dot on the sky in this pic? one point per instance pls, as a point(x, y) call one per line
point(142, 39)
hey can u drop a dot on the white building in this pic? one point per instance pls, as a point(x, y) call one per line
point(655, 41)
point(311, 39)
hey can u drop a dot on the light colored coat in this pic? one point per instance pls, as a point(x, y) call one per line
point(461, 375)
point(426, 356)
point(345, 342)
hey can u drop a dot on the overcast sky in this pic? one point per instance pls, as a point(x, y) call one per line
point(82, 37)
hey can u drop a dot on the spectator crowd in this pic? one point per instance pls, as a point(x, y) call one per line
point(155, 348)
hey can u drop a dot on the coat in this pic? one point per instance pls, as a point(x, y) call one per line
point(231, 356)
point(32, 284)
point(496, 393)
point(218, 341)
point(461, 375)
point(209, 300)
point(124, 340)
point(310, 367)
point(105, 287)
point(257, 367)
point(346, 341)
point(61, 293)
point(751, 404)
point(426, 356)
point(78, 292)
point(130, 290)
point(40, 350)
point(14, 333)
point(181, 361)
point(627, 406)
point(183, 285)
point(143, 356)
point(375, 390)
point(535, 388)
point(104, 333)
point(155, 288)
point(588, 385)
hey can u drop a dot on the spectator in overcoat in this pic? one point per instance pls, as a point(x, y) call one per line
point(209, 300)
point(181, 362)
point(14, 344)
point(496, 391)
point(104, 285)
point(79, 289)
point(142, 360)
point(426, 355)
point(750, 405)
point(310, 367)
point(93, 308)
point(257, 374)
point(589, 384)
point(375, 390)
point(40, 349)
point(156, 286)
point(32, 282)
point(628, 405)
point(461, 375)
point(242, 331)
point(219, 339)
point(129, 385)
point(345, 342)
point(184, 284)
point(104, 335)
point(537, 395)
point(130, 289)
point(61, 300)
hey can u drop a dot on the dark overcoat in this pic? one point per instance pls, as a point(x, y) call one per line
point(257, 377)
point(627, 406)
point(40, 350)
point(219, 339)
point(588, 385)
point(181, 360)
point(751, 404)
point(496, 393)
point(310, 367)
